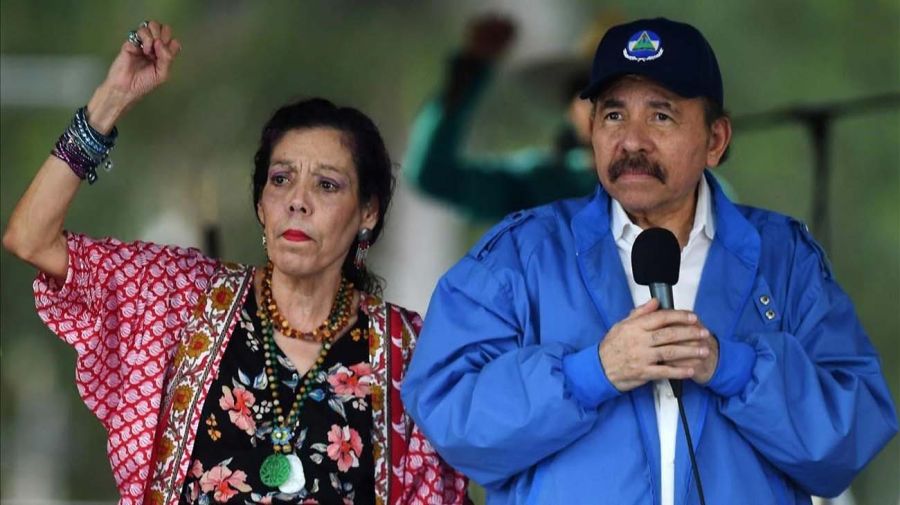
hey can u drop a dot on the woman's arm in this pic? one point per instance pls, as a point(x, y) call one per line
point(34, 232)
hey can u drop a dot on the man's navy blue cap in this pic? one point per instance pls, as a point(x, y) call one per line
point(675, 55)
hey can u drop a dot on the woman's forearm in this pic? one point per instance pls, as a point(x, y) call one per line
point(34, 232)
point(105, 108)
point(35, 229)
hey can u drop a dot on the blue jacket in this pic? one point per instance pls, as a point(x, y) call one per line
point(507, 384)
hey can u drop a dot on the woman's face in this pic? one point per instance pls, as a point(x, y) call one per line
point(309, 207)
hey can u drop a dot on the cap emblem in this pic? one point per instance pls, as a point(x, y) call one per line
point(643, 46)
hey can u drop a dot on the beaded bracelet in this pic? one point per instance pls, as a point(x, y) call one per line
point(83, 148)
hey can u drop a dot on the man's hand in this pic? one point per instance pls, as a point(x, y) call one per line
point(655, 344)
point(703, 367)
point(488, 37)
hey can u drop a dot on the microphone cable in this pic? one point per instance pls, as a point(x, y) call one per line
point(690, 444)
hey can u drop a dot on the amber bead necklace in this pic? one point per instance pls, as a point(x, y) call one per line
point(336, 322)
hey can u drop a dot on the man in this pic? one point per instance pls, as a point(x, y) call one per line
point(536, 375)
point(487, 188)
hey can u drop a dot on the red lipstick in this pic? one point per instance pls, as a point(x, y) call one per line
point(295, 235)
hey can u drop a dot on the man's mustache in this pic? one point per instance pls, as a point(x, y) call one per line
point(636, 164)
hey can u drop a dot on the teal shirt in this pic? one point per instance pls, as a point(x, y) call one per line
point(487, 187)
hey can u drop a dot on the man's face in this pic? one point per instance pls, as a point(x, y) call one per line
point(651, 146)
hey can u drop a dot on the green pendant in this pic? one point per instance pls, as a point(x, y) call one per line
point(275, 470)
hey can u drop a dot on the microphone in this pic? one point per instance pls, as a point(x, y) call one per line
point(655, 260)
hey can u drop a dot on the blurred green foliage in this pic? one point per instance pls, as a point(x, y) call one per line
point(243, 59)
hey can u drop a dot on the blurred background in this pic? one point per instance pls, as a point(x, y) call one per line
point(183, 160)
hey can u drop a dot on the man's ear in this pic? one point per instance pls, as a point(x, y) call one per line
point(719, 138)
point(592, 116)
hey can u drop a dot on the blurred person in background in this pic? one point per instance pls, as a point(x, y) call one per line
point(222, 382)
point(543, 368)
point(487, 188)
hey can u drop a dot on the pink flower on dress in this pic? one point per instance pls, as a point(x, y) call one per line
point(345, 447)
point(238, 404)
point(197, 469)
point(194, 491)
point(225, 483)
point(355, 381)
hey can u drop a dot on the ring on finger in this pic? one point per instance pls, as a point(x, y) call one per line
point(134, 39)
point(144, 24)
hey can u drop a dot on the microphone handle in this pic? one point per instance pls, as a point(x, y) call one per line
point(663, 293)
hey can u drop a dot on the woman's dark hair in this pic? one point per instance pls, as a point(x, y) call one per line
point(370, 156)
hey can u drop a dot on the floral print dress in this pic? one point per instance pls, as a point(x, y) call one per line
point(332, 437)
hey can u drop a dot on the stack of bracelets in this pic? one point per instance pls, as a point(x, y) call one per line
point(83, 148)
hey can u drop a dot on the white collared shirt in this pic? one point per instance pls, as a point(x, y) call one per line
point(693, 256)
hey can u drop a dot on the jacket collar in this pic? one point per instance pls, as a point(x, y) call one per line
point(591, 223)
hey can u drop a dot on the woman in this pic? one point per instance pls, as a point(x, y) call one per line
point(219, 382)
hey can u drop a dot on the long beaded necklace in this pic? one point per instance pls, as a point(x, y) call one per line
point(283, 469)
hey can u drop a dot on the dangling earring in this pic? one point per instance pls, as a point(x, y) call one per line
point(265, 246)
point(363, 239)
